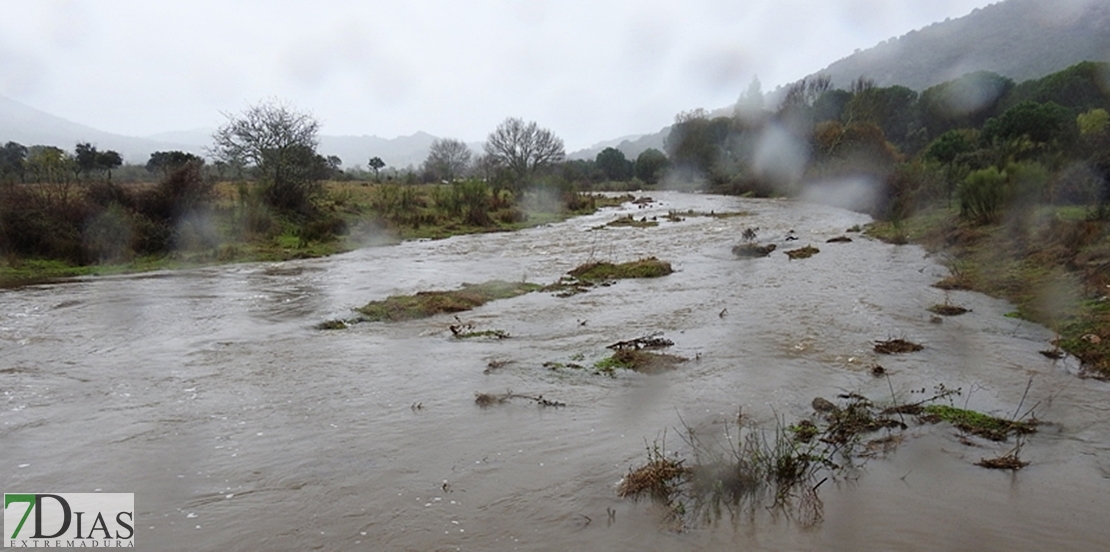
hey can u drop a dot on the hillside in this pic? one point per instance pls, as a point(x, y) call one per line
point(1019, 39)
point(29, 126)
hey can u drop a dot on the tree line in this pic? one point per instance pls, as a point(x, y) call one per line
point(981, 140)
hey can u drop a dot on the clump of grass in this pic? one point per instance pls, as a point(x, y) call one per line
point(639, 361)
point(781, 470)
point(332, 325)
point(894, 346)
point(430, 303)
point(948, 310)
point(628, 221)
point(603, 273)
point(659, 478)
point(649, 267)
point(803, 252)
point(977, 423)
point(752, 250)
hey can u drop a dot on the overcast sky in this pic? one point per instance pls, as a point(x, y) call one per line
point(589, 70)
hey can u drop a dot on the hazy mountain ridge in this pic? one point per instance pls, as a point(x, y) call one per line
point(29, 126)
point(1018, 39)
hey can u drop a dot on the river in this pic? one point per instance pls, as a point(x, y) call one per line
point(209, 394)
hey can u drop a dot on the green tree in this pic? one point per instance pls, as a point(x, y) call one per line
point(698, 143)
point(650, 165)
point(13, 158)
point(1040, 123)
point(280, 144)
point(85, 154)
point(107, 161)
point(165, 162)
point(376, 164)
point(613, 164)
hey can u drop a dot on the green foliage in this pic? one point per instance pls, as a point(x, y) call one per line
point(698, 143)
point(1092, 122)
point(966, 102)
point(977, 423)
point(1080, 87)
point(614, 164)
point(165, 162)
point(983, 194)
point(1040, 123)
point(650, 165)
point(948, 147)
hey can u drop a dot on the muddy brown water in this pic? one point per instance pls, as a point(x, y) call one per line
point(239, 427)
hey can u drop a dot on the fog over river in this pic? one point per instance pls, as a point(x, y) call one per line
point(209, 394)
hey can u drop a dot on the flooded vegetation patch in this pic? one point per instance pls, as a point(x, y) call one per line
point(1009, 461)
point(639, 361)
point(466, 330)
point(948, 310)
point(333, 325)
point(802, 252)
point(977, 423)
point(752, 251)
point(896, 346)
point(628, 221)
point(603, 273)
point(648, 267)
point(659, 478)
point(781, 469)
point(430, 303)
point(486, 400)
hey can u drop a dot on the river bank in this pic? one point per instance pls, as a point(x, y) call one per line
point(358, 215)
point(1052, 263)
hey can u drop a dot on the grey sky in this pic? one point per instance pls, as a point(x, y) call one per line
point(589, 70)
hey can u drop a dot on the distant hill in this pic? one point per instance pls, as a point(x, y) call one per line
point(398, 153)
point(630, 146)
point(29, 126)
point(1019, 39)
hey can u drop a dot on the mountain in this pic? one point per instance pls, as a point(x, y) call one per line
point(631, 146)
point(29, 126)
point(398, 153)
point(1019, 39)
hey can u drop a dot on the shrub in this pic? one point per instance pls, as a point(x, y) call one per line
point(983, 194)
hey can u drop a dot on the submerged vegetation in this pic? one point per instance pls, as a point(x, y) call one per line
point(604, 273)
point(430, 303)
point(746, 467)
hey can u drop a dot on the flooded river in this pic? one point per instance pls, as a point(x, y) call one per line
point(238, 426)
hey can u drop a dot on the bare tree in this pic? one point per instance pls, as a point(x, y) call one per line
point(523, 148)
point(447, 159)
point(280, 143)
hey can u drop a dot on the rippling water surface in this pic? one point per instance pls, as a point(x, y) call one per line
point(240, 427)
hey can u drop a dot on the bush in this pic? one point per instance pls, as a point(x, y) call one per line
point(983, 194)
